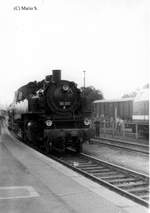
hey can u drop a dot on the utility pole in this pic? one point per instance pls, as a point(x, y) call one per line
point(84, 79)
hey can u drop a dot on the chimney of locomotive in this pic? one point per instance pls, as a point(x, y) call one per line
point(56, 75)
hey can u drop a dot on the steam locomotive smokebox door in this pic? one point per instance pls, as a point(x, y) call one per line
point(56, 75)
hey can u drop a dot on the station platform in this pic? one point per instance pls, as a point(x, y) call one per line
point(31, 182)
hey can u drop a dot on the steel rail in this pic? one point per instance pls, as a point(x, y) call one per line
point(123, 145)
point(128, 183)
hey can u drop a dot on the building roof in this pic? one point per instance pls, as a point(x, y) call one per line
point(143, 95)
point(113, 100)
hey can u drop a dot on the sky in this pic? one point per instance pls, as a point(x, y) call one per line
point(109, 39)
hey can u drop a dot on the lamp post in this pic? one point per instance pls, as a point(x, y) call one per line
point(84, 79)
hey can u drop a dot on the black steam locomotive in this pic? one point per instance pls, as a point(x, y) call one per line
point(50, 114)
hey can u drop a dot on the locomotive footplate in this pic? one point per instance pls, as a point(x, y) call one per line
point(65, 133)
point(60, 139)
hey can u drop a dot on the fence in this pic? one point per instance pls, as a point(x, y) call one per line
point(121, 129)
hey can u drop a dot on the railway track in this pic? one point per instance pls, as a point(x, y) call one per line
point(132, 146)
point(128, 183)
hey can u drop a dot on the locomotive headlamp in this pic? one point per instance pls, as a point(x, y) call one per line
point(29, 124)
point(48, 123)
point(86, 121)
point(65, 87)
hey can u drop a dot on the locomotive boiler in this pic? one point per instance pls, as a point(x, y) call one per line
point(51, 114)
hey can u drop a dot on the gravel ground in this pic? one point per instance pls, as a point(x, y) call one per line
point(136, 161)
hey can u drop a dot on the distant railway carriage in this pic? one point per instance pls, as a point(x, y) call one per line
point(141, 106)
point(135, 110)
point(121, 108)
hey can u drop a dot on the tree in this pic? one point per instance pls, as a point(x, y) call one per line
point(134, 93)
point(89, 95)
point(146, 86)
point(130, 95)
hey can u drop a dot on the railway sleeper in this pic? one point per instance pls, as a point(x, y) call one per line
point(85, 163)
point(112, 177)
point(90, 166)
point(75, 160)
point(103, 174)
point(71, 162)
point(140, 193)
point(145, 197)
point(122, 180)
point(91, 169)
point(95, 170)
point(131, 184)
point(138, 189)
